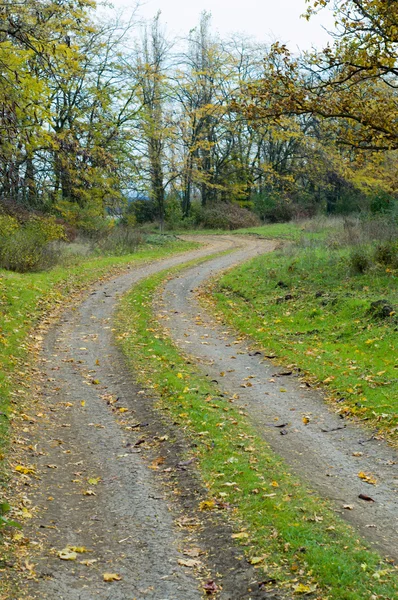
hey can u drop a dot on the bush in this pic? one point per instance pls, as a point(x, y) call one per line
point(173, 213)
point(359, 260)
point(227, 216)
point(28, 247)
point(273, 208)
point(8, 226)
point(143, 210)
point(89, 220)
point(386, 254)
point(120, 240)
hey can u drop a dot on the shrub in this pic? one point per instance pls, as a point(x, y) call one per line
point(173, 213)
point(144, 210)
point(359, 260)
point(28, 247)
point(386, 254)
point(273, 208)
point(8, 225)
point(120, 240)
point(227, 216)
point(89, 219)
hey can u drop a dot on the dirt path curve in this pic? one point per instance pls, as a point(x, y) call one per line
point(92, 487)
point(325, 451)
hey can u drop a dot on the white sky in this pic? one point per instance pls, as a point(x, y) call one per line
point(266, 20)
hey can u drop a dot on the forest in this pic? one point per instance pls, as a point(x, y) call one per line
point(102, 117)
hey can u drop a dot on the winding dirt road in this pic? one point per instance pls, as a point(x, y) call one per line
point(92, 488)
point(95, 437)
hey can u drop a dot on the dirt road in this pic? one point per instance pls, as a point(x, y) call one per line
point(93, 497)
point(94, 489)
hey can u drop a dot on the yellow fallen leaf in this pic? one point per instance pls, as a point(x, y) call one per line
point(275, 484)
point(207, 505)
point(302, 589)
point(111, 577)
point(89, 493)
point(24, 470)
point(240, 536)
point(94, 480)
point(83, 403)
point(180, 376)
point(305, 420)
point(78, 549)
point(256, 560)
point(122, 409)
point(67, 554)
point(368, 478)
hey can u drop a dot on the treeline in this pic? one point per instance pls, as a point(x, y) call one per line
point(94, 116)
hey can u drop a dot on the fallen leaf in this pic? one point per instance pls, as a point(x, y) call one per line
point(157, 462)
point(111, 577)
point(305, 420)
point(210, 587)
point(24, 470)
point(302, 589)
point(240, 536)
point(94, 480)
point(192, 552)
point(89, 493)
point(368, 478)
point(67, 554)
point(88, 562)
point(189, 562)
point(256, 560)
point(207, 505)
point(78, 549)
point(365, 497)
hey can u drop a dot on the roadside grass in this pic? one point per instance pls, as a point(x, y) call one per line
point(290, 534)
point(304, 231)
point(27, 298)
point(304, 305)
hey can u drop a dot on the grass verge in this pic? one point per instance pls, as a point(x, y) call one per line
point(308, 308)
point(287, 531)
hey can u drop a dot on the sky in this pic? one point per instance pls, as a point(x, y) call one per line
point(265, 20)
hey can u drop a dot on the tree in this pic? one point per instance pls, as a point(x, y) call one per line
point(353, 83)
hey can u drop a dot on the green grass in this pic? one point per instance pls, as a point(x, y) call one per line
point(27, 298)
point(310, 230)
point(295, 534)
point(325, 329)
